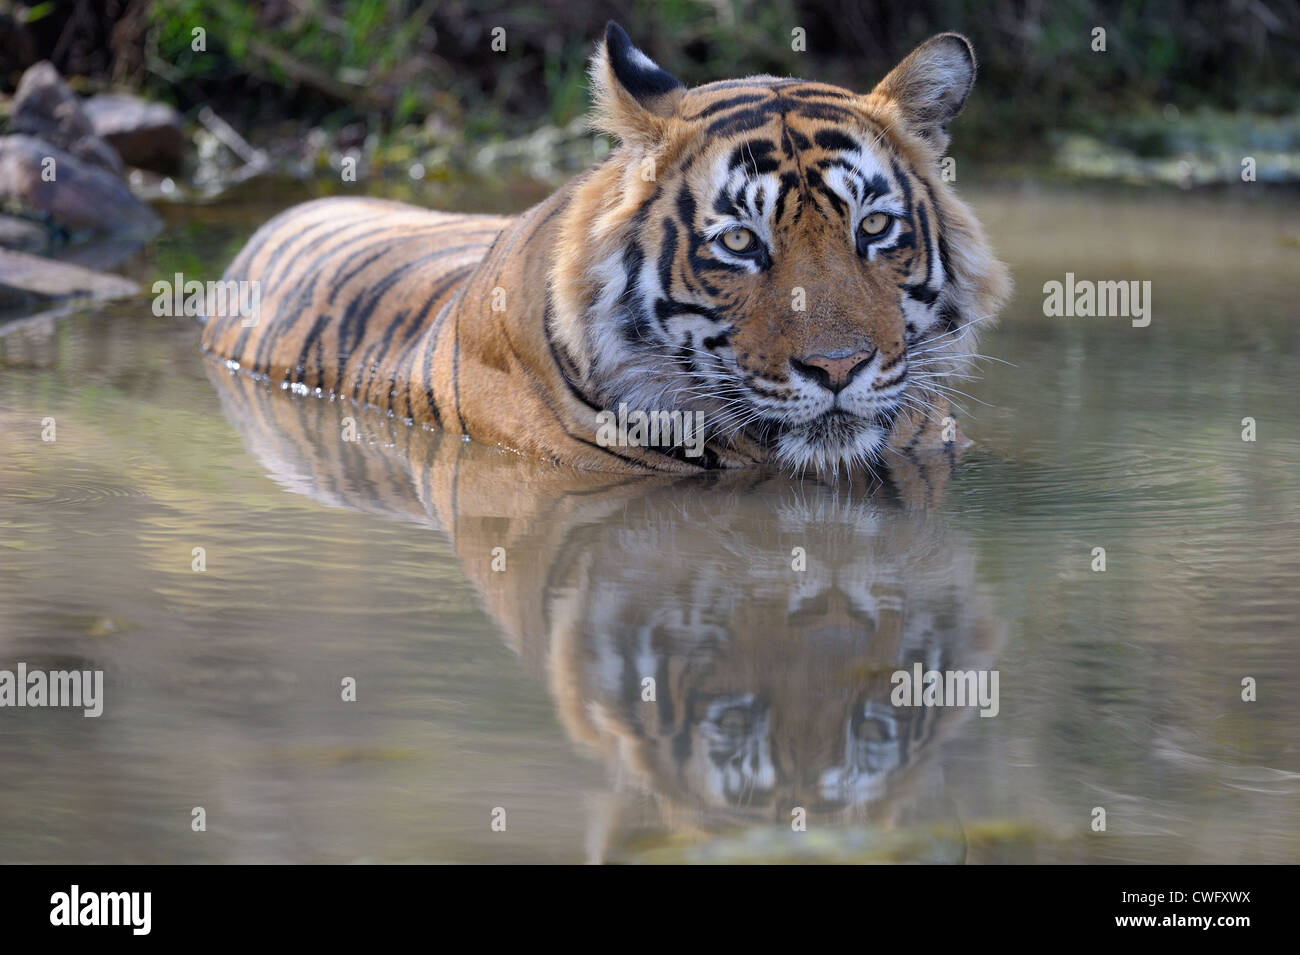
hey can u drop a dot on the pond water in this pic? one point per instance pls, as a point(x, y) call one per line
point(515, 693)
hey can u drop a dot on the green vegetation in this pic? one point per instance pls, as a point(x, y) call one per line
point(426, 72)
point(409, 61)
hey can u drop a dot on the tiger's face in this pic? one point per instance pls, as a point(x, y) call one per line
point(814, 265)
point(781, 255)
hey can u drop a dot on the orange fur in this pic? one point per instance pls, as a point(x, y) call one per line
point(501, 328)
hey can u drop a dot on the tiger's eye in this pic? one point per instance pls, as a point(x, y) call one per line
point(875, 224)
point(739, 240)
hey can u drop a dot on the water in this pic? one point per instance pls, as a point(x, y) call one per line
point(521, 689)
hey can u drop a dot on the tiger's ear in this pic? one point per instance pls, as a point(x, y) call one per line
point(634, 96)
point(930, 86)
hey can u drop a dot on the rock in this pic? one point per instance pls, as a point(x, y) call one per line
point(44, 107)
point(105, 254)
point(23, 234)
point(81, 198)
point(57, 169)
point(144, 134)
point(27, 280)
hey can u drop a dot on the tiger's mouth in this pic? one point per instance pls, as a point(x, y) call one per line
point(845, 434)
point(836, 426)
point(834, 441)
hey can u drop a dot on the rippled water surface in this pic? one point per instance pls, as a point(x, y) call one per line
point(521, 689)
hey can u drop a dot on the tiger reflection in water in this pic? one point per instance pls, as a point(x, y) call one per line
point(677, 638)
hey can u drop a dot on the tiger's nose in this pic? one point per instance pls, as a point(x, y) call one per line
point(833, 371)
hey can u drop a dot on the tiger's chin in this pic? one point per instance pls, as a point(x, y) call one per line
point(834, 443)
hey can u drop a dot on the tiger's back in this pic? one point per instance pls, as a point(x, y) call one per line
point(351, 291)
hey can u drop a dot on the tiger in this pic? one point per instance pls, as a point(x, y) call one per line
point(780, 262)
point(771, 681)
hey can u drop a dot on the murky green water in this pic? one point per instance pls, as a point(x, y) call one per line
point(521, 689)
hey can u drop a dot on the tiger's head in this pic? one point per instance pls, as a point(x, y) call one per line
point(783, 256)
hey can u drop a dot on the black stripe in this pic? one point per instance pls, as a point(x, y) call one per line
point(725, 104)
point(833, 140)
point(921, 291)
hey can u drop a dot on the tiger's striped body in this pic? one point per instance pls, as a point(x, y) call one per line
point(815, 346)
point(335, 327)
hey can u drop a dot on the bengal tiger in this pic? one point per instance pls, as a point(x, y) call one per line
point(779, 261)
